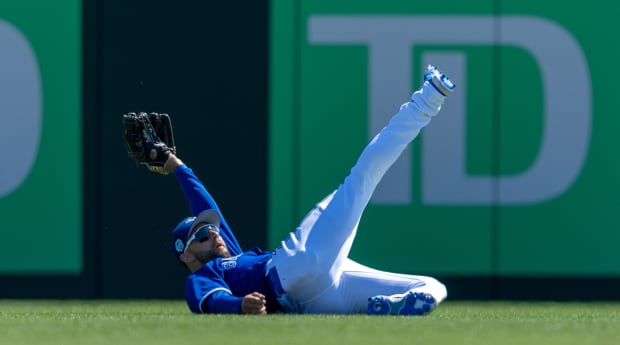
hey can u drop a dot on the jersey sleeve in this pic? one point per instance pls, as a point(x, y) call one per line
point(198, 288)
point(206, 291)
point(222, 302)
point(200, 199)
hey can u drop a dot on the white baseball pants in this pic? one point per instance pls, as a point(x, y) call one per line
point(312, 262)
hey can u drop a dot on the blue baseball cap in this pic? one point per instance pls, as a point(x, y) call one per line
point(180, 234)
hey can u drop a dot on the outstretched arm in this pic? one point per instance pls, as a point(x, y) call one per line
point(149, 141)
point(200, 199)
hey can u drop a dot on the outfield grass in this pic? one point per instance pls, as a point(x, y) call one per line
point(169, 322)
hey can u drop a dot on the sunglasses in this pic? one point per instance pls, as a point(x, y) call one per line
point(202, 234)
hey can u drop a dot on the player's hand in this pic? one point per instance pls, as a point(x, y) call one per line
point(254, 303)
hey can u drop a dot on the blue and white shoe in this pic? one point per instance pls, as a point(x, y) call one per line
point(439, 80)
point(410, 303)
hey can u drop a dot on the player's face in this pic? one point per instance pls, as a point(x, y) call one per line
point(206, 244)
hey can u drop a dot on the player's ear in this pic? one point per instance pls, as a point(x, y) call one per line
point(187, 258)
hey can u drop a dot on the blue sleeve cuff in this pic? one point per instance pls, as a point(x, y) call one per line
point(221, 302)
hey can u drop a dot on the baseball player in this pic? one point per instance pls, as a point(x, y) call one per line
point(310, 271)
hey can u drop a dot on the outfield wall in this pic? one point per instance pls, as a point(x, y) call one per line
point(86, 221)
point(511, 186)
point(509, 193)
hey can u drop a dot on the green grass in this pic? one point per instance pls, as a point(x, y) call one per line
point(169, 322)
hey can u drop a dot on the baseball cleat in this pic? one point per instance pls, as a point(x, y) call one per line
point(410, 303)
point(439, 80)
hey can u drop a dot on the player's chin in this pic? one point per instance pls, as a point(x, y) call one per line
point(222, 252)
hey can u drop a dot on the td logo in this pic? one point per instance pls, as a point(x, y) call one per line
point(20, 104)
point(567, 102)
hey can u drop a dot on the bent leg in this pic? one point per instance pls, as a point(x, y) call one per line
point(323, 240)
point(331, 236)
point(358, 283)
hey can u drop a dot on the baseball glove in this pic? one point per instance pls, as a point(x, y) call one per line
point(148, 139)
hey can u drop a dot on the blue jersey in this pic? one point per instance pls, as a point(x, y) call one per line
point(220, 284)
point(229, 279)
